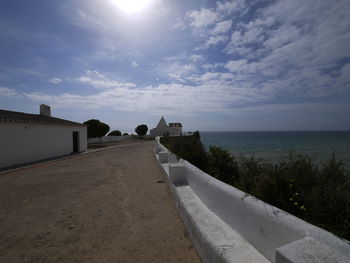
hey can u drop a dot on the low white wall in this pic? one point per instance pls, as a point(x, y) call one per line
point(23, 142)
point(267, 228)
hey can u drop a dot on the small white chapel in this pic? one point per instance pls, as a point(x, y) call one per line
point(163, 129)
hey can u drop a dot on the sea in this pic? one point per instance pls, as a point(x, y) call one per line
point(273, 145)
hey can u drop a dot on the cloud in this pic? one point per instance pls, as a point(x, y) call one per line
point(275, 51)
point(241, 40)
point(179, 71)
point(23, 71)
point(210, 92)
point(293, 49)
point(237, 65)
point(202, 18)
point(214, 40)
point(99, 81)
point(196, 57)
point(222, 27)
point(170, 98)
point(134, 64)
point(55, 80)
point(185, 57)
point(6, 92)
point(229, 7)
point(282, 36)
point(179, 24)
point(216, 78)
point(344, 76)
point(212, 23)
point(212, 66)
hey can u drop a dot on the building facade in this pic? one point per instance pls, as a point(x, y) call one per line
point(26, 138)
point(162, 129)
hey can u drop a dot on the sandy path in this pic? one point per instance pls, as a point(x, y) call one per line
point(99, 207)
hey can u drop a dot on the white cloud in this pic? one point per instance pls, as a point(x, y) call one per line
point(222, 27)
point(344, 77)
point(216, 78)
point(202, 18)
point(282, 36)
point(6, 92)
point(292, 46)
point(213, 92)
point(214, 40)
point(134, 64)
point(97, 80)
point(55, 80)
point(212, 66)
point(179, 24)
point(254, 35)
point(237, 65)
point(301, 107)
point(185, 57)
point(196, 57)
point(179, 71)
point(24, 71)
point(229, 7)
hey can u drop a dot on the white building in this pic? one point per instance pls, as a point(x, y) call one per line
point(28, 138)
point(163, 129)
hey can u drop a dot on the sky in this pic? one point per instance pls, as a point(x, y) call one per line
point(237, 65)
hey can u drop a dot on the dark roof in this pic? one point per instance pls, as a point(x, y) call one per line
point(21, 117)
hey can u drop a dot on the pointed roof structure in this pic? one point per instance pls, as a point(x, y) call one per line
point(162, 123)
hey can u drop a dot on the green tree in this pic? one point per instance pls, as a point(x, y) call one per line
point(115, 133)
point(141, 130)
point(95, 128)
point(125, 134)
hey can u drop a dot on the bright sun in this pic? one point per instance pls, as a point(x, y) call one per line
point(132, 6)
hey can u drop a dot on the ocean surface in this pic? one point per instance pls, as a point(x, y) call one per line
point(319, 145)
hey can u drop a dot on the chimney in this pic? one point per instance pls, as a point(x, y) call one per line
point(45, 110)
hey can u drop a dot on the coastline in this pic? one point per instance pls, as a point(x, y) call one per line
point(271, 145)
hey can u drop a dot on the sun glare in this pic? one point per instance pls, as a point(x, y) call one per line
point(131, 6)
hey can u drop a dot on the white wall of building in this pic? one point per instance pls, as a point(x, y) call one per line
point(25, 142)
point(160, 131)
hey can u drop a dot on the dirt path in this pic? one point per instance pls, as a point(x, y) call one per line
point(99, 207)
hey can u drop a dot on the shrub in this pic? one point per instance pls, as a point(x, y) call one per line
point(95, 128)
point(222, 165)
point(141, 130)
point(320, 195)
point(115, 133)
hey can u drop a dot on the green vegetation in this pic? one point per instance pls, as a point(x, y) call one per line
point(319, 194)
point(141, 130)
point(189, 148)
point(125, 134)
point(95, 128)
point(115, 133)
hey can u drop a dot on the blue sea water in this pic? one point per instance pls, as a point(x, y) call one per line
point(319, 145)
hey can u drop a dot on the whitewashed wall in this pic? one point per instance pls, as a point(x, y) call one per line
point(238, 227)
point(22, 142)
point(160, 131)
